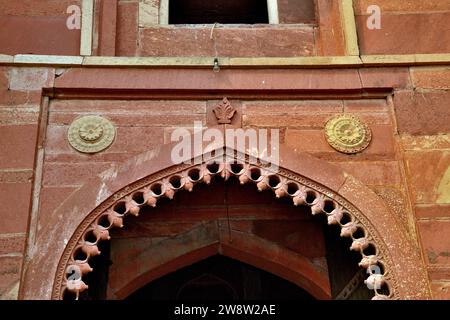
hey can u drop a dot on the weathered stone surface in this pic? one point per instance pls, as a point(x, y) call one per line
point(148, 13)
point(431, 78)
point(435, 237)
point(28, 79)
point(18, 146)
point(422, 113)
point(293, 11)
point(9, 273)
point(429, 176)
point(440, 290)
point(36, 35)
point(432, 211)
point(34, 8)
point(410, 6)
point(15, 200)
point(231, 42)
point(405, 34)
point(12, 243)
point(127, 28)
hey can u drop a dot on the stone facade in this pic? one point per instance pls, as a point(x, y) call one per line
point(149, 79)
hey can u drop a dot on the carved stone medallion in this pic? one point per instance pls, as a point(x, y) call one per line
point(91, 134)
point(348, 134)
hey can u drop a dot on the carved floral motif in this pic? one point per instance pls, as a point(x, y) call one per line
point(348, 134)
point(224, 112)
point(91, 134)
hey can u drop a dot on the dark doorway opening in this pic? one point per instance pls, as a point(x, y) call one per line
point(220, 278)
point(220, 11)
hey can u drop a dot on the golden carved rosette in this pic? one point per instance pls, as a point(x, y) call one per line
point(347, 134)
point(91, 134)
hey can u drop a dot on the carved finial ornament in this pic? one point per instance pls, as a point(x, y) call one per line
point(91, 134)
point(224, 112)
point(348, 134)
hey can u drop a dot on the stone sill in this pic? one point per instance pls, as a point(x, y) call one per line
point(227, 62)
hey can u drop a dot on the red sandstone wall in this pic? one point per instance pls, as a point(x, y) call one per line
point(407, 163)
point(37, 27)
point(20, 97)
point(407, 27)
point(423, 120)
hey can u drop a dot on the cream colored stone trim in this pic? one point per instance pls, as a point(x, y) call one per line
point(6, 59)
point(164, 12)
point(349, 26)
point(86, 27)
point(272, 8)
point(207, 62)
point(407, 59)
point(47, 60)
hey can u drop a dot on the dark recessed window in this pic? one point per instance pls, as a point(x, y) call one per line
point(220, 11)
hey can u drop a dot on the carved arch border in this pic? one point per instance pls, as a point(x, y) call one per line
point(285, 183)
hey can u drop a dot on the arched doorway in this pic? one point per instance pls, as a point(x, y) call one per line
point(220, 278)
point(303, 180)
point(224, 221)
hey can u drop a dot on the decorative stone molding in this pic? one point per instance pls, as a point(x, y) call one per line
point(166, 183)
point(91, 134)
point(348, 134)
point(224, 112)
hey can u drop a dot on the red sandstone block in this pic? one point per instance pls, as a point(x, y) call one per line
point(21, 115)
point(432, 211)
point(133, 119)
point(38, 35)
point(14, 211)
point(17, 145)
point(9, 272)
point(304, 237)
point(435, 237)
point(390, 6)
point(50, 199)
point(127, 28)
point(12, 243)
point(312, 141)
point(204, 79)
point(72, 174)
point(440, 290)
point(431, 78)
point(294, 11)
point(236, 42)
point(290, 107)
point(13, 98)
point(143, 107)
point(406, 34)
point(429, 176)
point(422, 112)
point(379, 173)
point(422, 143)
point(49, 8)
point(30, 79)
point(330, 35)
point(367, 105)
point(385, 77)
point(4, 78)
point(307, 120)
point(439, 273)
point(108, 28)
point(153, 229)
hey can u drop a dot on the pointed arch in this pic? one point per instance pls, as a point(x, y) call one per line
point(104, 202)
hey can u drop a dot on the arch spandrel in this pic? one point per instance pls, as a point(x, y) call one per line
point(54, 247)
